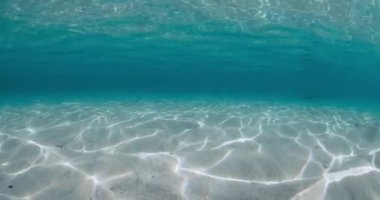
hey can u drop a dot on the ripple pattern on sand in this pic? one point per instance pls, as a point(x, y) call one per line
point(190, 150)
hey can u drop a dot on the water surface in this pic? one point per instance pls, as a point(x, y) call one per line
point(179, 99)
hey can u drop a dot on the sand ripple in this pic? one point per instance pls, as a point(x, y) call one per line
point(188, 150)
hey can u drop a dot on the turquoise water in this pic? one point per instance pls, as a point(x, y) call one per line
point(307, 49)
point(189, 99)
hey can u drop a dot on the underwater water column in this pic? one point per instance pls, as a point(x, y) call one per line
point(189, 99)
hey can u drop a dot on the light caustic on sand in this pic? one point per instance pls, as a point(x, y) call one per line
point(188, 151)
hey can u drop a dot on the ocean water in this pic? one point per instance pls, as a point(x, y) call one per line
point(189, 99)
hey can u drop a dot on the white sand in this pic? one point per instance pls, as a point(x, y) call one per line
point(192, 150)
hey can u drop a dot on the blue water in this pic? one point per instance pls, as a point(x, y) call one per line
point(189, 99)
point(308, 49)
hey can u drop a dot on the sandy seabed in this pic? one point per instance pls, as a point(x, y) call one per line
point(189, 150)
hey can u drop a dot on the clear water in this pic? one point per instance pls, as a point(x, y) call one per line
point(180, 99)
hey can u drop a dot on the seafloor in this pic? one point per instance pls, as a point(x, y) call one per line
point(188, 150)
